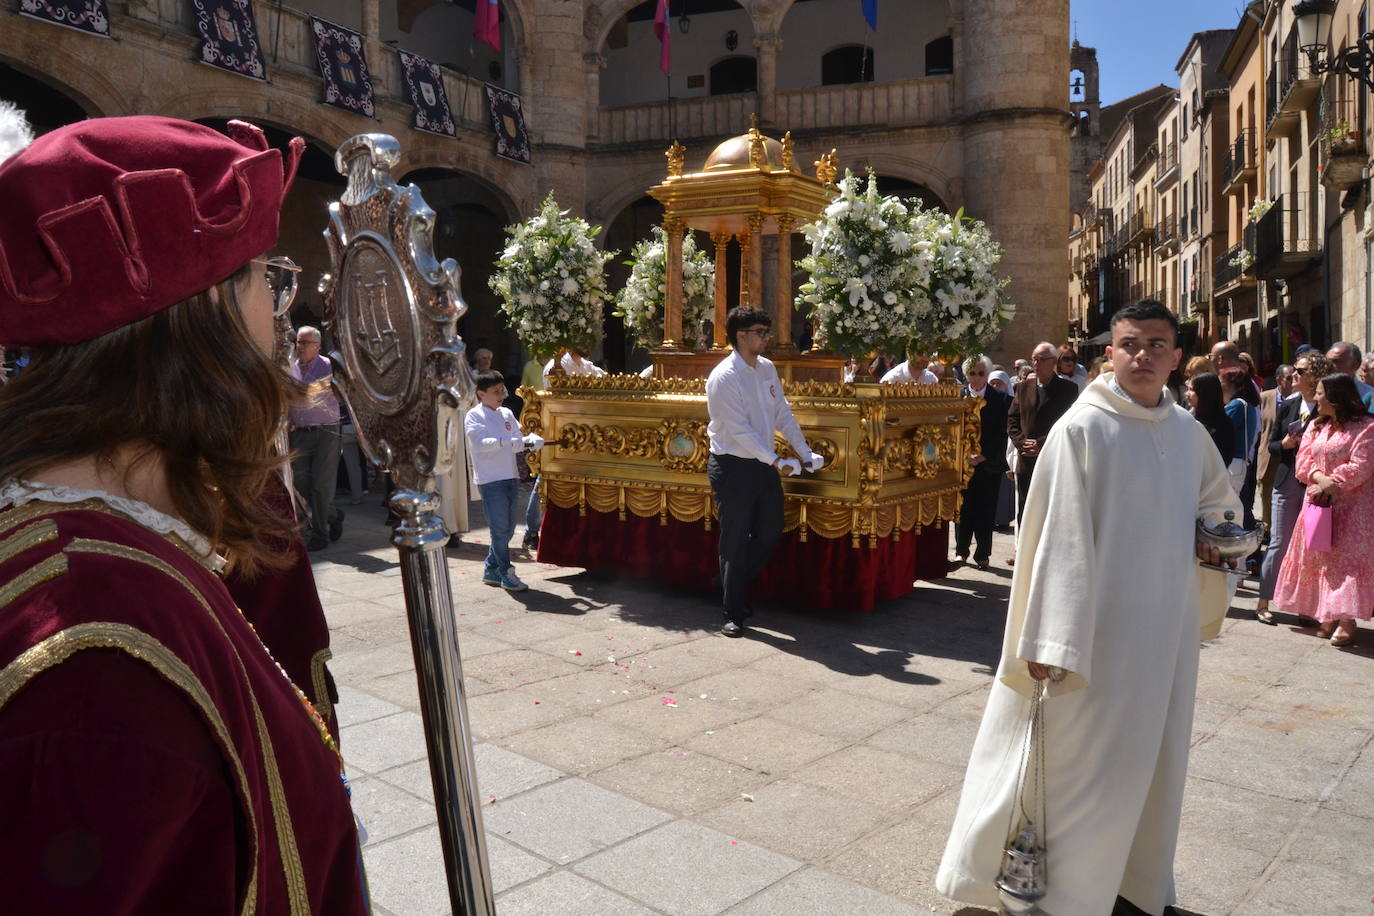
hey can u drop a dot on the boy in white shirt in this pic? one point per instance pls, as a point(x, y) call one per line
point(494, 439)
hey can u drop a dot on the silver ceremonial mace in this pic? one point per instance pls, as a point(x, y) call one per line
point(393, 309)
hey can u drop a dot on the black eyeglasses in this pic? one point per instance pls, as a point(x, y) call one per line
point(762, 332)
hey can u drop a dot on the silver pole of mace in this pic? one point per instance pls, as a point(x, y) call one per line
point(393, 308)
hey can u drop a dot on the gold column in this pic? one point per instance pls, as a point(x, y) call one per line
point(722, 243)
point(755, 262)
point(782, 298)
point(744, 261)
point(672, 306)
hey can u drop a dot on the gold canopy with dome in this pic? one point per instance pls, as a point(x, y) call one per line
point(748, 188)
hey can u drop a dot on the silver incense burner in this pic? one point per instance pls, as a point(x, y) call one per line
point(1231, 540)
point(1021, 884)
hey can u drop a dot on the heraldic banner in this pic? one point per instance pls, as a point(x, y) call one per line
point(508, 121)
point(229, 36)
point(343, 67)
point(89, 16)
point(425, 89)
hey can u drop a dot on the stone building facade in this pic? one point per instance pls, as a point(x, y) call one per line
point(943, 101)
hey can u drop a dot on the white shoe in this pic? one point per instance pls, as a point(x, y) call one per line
point(511, 582)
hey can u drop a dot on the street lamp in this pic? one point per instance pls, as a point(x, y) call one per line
point(1314, 24)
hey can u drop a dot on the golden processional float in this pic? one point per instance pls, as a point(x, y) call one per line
point(623, 473)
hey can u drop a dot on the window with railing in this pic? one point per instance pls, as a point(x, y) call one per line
point(1240, 157)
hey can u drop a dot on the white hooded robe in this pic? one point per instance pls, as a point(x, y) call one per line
point(1106, 586)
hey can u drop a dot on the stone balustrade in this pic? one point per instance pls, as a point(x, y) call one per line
point(905, 103)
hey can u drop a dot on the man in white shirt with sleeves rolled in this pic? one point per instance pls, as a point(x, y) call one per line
point(745, 401)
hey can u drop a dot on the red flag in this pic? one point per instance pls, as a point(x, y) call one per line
point(662, 28)
point(487, 27)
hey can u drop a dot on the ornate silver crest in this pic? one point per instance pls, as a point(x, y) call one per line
point(393, 308)
point(399, 367)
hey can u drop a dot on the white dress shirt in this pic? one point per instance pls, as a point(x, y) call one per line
point(901, 373)
point(572, 366)
point(746, 405)
point(493, 438)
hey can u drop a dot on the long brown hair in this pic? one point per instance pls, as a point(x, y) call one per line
point(1344, 397)
point(186, 383)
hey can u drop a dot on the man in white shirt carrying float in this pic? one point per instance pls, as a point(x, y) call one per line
point(915, 369)
point(745, 401)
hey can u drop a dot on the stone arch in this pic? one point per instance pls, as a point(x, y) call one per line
point(88, 86)
point(320, 124)
point(471, 218)
point(916, 172)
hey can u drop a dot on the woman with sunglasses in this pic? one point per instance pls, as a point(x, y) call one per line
point(168, 762)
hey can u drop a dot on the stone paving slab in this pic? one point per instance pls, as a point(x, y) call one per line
point(610, 785)
point(689, 869)
point(570, 819)
point(818, 893)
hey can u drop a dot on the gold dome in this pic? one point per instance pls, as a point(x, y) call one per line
point(734, 154)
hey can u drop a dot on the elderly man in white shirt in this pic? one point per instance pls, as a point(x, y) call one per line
point(745, 401)
point(915, 369)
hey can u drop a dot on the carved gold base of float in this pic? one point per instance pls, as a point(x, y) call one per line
point(897, 455)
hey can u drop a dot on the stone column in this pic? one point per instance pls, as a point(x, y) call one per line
point(1016, 155)
point(378, 62)
point(722, 243)
point(782, 288)
point(594, 64)
point(672, 264)
point(767, 47)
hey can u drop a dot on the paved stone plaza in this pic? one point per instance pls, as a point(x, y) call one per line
point(634, 762)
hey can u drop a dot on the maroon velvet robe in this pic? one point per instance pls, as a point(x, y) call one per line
point(153, 759)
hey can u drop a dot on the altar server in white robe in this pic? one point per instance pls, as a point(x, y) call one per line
point(1106, 587)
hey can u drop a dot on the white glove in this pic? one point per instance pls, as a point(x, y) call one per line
point(791, 465)
point(815, 462)
point(534, 441)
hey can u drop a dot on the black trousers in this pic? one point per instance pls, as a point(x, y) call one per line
point(1023, 479)
point(749, 502)
point(976, 515)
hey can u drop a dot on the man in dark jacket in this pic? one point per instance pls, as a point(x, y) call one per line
point(1040, 401)
point(980, 497)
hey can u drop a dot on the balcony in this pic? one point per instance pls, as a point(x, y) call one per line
point(1166, 167)
point(1166, 233)
point(1139, 231)
point(903, 103)
point(1230, 276)
point(1291, 89)
point(1238, 163)
point(1342, 156)
point(1188, 227)
point(1287, 238)
point(1199, 291)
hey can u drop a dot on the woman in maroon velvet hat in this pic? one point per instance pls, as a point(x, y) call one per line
point(156, 757)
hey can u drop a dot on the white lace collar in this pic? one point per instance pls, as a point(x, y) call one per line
point(17, 493)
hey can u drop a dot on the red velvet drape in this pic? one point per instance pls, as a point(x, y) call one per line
point(818, 573)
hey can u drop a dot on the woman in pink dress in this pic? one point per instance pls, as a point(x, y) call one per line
point(1335, 461)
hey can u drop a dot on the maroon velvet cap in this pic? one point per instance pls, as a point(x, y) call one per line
point(107, 221)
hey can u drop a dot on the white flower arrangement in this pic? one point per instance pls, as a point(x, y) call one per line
point(891, 276)
point(551, 280)
point(1260, 207)
point(1244, 259)
point(641, 302)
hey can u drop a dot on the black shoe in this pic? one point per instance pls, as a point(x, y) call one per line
point(336, 527)
point(316, 544)
point(980, 562)
point(454, 540)
point(531, 541)
point(732, 628)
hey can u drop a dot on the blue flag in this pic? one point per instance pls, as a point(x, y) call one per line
point(871, 13)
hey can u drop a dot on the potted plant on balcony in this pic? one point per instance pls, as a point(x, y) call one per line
point(640, 303)
point(551, 280)
point(889, 276)
point(1345, 159)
